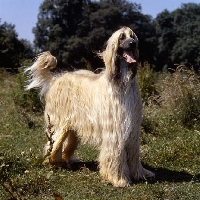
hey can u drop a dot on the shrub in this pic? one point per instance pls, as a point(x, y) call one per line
point(146, 78)
point(26, 100)
point(180, 94)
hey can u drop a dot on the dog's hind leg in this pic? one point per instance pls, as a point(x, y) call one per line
point(55, 157)
point(69, 146)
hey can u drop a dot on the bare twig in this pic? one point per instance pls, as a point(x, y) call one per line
point(8, 186)
point(49, 133)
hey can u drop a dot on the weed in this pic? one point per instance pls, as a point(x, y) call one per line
point(147, 79)
point(180, 94)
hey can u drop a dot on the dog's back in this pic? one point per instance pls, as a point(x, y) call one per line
point(76, 99)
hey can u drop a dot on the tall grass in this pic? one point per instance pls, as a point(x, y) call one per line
point(147, 79)
point(180, 95)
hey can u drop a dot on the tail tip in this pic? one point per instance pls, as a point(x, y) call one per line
point(47, 60)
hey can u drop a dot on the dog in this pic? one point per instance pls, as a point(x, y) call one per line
point(102, 109)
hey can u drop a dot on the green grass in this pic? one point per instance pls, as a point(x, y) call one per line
point(168, 148)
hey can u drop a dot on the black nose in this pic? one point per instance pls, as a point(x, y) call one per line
point(132, 44)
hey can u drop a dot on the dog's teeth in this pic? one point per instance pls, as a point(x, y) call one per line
point(125, 55)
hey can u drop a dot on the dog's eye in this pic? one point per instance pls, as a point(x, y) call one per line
point(122, 36)
point(131, 36)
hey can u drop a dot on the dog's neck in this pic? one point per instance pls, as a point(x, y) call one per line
point(123, 73)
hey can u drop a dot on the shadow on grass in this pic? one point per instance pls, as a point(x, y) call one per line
point(167, 175)
point(91, 166)
point(161, 174)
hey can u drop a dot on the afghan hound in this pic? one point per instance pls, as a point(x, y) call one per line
point(102, 109)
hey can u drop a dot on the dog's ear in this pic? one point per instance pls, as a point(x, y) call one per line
point(116, 73)
point(115, 70)
point(137, 53)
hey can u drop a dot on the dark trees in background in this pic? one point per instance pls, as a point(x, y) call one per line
point(12, 50)
point(178, 36)
point(75, 29)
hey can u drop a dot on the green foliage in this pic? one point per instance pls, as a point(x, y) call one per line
point(75, 29)
point(72, 30)
point(180, 94)
point(12, 50)
point(25, 100)
point(146, 78)
point(178, 34)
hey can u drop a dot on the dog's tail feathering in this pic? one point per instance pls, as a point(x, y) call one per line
point(39, 73)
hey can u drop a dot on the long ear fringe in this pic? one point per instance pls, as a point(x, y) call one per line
point(109, 54)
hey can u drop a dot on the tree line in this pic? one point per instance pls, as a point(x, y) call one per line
point(12, 50)
point(73, 30)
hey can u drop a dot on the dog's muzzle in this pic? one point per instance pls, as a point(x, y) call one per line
point(128, 48)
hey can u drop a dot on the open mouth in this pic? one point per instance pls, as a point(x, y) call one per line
point(128, 56)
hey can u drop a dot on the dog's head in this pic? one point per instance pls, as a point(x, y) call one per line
point(127, 45)
point(121, 55)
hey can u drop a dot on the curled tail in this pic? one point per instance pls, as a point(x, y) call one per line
point(39, 73)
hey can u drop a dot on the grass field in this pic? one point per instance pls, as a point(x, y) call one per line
point(169, 146)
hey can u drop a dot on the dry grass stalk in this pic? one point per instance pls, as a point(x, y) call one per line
point(49, 133)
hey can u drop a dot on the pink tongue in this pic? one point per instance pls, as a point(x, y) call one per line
point(128, 55)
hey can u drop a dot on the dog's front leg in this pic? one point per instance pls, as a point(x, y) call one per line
point(113, 163)
point(133, 157)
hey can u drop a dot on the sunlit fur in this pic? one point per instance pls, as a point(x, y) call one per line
point(101, 109)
